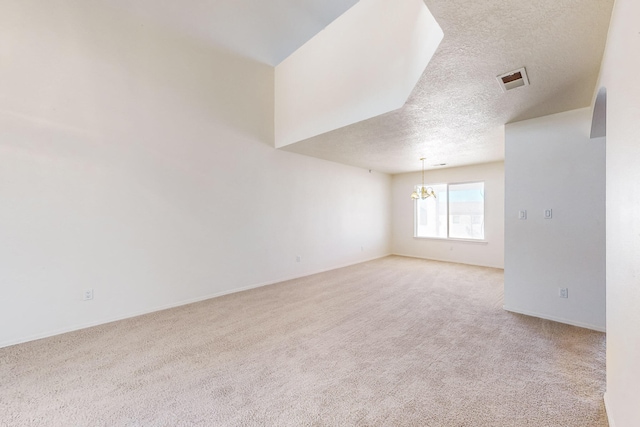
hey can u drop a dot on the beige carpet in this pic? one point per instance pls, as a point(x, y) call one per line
point(391, 342)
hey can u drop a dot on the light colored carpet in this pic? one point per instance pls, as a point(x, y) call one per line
point(391, 342)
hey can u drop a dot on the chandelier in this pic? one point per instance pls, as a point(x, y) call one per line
point(423, 192)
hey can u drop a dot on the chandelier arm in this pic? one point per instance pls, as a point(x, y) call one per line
point(424, 192)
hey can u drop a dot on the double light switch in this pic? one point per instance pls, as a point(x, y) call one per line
point(548, 214)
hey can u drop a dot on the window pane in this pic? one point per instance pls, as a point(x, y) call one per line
point(466, 210)
point(431, 213)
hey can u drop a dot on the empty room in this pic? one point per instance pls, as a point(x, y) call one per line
point(310, 213)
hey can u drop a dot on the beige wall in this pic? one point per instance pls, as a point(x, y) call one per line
point(490, 254)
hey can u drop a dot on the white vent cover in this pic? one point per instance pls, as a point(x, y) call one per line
point(513, 79)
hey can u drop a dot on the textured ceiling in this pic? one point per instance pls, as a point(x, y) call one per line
point(456, 113)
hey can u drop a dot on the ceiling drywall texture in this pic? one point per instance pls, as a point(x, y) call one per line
point(456, 113)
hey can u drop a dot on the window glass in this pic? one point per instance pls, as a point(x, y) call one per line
point(466, 210)
point(456, 212)
point(431, 213)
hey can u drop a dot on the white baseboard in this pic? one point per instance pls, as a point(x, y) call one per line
point(609, 411)
point(448, 260)
point(178, 304)
point(556, 319)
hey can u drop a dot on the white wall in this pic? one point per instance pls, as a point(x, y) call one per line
point(140, 164)
point(489, 254)
point(550, 163)
point(619, 74)
point(363, 64)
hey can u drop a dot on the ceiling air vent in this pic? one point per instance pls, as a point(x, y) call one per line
point(513, 79)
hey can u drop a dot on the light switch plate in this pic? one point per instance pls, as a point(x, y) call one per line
point(522, 214)
point(548, 213)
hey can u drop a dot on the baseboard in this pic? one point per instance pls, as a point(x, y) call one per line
point(448, 260)
point(556, 319)
point(609, 411)
point(180, 303)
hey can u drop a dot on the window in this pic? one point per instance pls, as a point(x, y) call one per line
point(431, 214)
point(457, 212)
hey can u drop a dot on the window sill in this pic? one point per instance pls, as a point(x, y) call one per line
point(449, 239)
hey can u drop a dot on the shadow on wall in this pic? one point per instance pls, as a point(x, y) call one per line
point(599, 120)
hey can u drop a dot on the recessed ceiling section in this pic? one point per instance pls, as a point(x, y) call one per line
point(364, 64)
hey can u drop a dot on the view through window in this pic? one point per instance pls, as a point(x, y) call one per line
point(457, 212)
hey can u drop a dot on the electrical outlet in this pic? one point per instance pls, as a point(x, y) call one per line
point(87, 294)
point(298, 258)
point(563, 292)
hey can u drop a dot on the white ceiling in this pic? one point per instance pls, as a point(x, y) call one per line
point(457, 111)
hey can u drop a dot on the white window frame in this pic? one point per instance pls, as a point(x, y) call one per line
point(447, 184)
